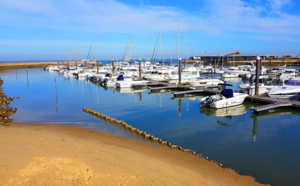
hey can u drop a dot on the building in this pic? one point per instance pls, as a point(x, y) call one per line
point(229, 57)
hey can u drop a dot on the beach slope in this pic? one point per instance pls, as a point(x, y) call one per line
point(33, 154)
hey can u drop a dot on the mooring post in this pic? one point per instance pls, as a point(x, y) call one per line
point(113, 66)
point(140, 69)
point(258, 61)
point(179, 71)
point(97, 67)
point(76, 64)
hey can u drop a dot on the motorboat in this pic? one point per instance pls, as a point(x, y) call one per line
point(186, 75)
point(207, 68)
point(262, 90)
point(227, 98)
point(285, 76)
point(130, 83)
point(291, 88)
point(230, 75)
point(131, 72)
point(113, 81)
point(206, 80)
point(276, 70)
point(161, 75)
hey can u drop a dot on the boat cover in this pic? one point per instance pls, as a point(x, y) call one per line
point(228, 93)
point(120, 77)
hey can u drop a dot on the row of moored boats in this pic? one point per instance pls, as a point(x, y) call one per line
point(125, 75)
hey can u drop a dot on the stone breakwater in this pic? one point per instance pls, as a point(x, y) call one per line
point(144, 134)
point(5, 110)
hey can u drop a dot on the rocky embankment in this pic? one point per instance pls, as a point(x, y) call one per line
point(5, 110)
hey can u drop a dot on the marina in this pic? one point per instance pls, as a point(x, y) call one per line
point(232, 136)
point(151, 93)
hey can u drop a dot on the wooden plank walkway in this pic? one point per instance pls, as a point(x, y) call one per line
point(176, 94)
point(157, 89)
point(266, 108)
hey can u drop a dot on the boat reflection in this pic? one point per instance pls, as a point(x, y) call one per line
point(130, 90)
point(223, 112)
point(256, 117)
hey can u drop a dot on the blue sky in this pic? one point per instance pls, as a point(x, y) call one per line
point(49, 29)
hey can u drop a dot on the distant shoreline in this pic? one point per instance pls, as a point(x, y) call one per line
point(22, 65)
point(43, 64)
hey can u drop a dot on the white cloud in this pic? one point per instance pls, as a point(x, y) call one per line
point(278, 4)
point(221, 17)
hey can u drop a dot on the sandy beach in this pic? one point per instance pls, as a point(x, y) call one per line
point(44, 154)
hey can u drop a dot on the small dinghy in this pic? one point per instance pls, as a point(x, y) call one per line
point(227, 98)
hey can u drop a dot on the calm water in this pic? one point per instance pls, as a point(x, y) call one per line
point(263, 146)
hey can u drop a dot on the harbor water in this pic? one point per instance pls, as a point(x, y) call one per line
point(265, 146)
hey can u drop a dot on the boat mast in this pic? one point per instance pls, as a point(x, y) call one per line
point(134, 49)
point(187, 46)
point(286, 45)
point(163, 51)
point(233, 54)
point(159, 48)
point(153, 57)
point(223, 56)
point(95, 48)
point(81, 54)
point(178, 44)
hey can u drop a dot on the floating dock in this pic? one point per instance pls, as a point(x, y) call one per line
point(182, 93)
point(266, 108)
point(273, 102)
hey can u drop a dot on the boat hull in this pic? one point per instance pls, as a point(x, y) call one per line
point(230, 102)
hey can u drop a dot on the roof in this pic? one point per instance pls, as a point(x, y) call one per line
point(233, 54)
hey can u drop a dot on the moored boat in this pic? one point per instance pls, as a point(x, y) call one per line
point(227, 98)
point(291, 88)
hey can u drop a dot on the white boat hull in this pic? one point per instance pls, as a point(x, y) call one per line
point(230, 102)
point(250, 89)
point(288, 90)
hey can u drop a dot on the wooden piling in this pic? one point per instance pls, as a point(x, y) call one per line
point(258, 61)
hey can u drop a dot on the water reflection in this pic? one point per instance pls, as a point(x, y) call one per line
point(273, 113)
point(234, 136)
point(56, 97)
point(222, 112)
point(179, 107)
point(27, 79)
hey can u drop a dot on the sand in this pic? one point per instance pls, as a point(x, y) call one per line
point(42, 154)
